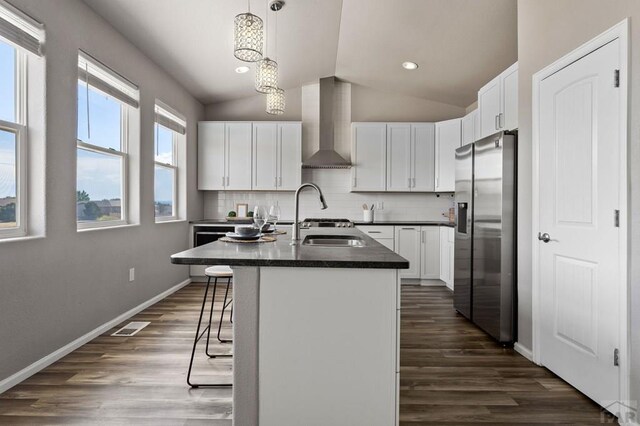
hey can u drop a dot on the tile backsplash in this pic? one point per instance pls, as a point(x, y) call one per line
point(342, 203)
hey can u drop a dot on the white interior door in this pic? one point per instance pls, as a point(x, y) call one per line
point(399, 157)
point(579, 193)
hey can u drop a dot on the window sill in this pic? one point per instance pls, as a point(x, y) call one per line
point(170, 221)
point(23, 238)
point(104, 228)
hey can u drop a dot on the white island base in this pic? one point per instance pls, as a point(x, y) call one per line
point(316, 346)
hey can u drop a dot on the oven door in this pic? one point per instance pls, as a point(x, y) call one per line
point(208, 234)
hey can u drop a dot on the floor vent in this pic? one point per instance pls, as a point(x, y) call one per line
point(131, 329)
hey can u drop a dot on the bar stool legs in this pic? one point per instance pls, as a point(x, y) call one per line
point(207, 329)
point(224, 306)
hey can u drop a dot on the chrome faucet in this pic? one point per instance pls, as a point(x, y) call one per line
point(295, 236)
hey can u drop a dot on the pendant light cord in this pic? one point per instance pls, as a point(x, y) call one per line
point(275, 43)
point(266, 30)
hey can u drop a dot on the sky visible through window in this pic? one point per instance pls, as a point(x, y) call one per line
point(8, 183)
point(7, 82)
point(164, 177)
point(99, 175)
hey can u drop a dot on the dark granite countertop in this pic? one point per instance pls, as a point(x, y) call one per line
point(225, 222)
point(404, 223)
point(356, 222)
point(281, 253)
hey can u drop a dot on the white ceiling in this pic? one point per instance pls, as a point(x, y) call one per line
point(458, 44)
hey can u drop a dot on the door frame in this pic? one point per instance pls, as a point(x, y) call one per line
point(620, 32)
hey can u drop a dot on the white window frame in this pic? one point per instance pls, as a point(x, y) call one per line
point(19, 128)
point(125, 111)
point(177, 125)
point(174, 148)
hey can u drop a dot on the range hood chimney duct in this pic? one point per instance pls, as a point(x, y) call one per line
point(327, 157)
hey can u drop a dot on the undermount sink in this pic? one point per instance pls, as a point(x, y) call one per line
point(333, 241)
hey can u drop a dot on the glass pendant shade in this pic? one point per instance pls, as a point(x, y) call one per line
point(275, 102)
point(266, 76)
point(248, 37)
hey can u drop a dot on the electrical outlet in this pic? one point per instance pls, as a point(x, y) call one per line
point(132, 274)
point(380, 205)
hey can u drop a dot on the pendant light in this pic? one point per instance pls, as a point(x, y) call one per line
point(275, 98)
point(275, 102)
point(267, 69)
point(248, 36)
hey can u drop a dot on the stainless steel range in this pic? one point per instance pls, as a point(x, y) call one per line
point(326, 223)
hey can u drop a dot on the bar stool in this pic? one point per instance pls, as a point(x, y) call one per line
point(215, 272)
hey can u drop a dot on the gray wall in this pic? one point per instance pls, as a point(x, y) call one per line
point(366, 105)
point(56, 289)
point(547, 30)
point(253, 108)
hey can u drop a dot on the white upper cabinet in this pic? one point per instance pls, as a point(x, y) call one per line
point(224, 156)
point(489, 107)
point(211, 156)
point(407, 245)
point(289, 156)
point(242, 156)
point(277, 153)
point(404, 163)
point(369, 156)
point(510, 98)
point(470, 127)
point(423, 137)
point(238, 156)
point(430, 252)
point(265, 155)
point(399, 153)
point(448, 139)
point(498, 103)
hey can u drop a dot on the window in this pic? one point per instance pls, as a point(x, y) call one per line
point(20, 39)
point(169, 135)
point(106, 102)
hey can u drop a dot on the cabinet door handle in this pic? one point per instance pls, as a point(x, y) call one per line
point(501, 120)
point(374, 232)
point(280, 181)
point(227, 180)
point(408, 229)
point(223, 181)
point(495, 122)
point(414, 182)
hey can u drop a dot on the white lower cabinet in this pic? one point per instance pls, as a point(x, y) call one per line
point(382, 234)
point(429, 252)
point(408, 246)
point(447, 244)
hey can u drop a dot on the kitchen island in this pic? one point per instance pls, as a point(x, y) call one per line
point(316, 329)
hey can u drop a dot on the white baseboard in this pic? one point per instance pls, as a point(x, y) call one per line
point(525, 352)
point(42, 363)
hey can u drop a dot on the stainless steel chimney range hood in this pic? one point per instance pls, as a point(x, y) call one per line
point(326, 157)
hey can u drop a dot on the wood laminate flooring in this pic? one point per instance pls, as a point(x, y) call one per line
point(451, 373)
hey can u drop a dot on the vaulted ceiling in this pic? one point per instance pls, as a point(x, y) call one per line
point(458, 44)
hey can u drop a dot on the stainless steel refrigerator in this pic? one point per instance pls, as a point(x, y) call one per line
point(484, 268)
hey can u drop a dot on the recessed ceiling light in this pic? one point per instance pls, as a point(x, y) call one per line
point(242, 70)
point(409, 65)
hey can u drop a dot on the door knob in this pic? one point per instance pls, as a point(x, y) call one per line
point(544, 237)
